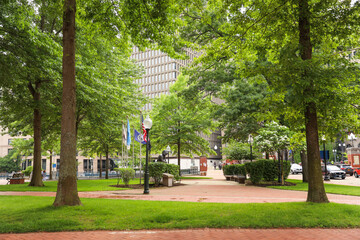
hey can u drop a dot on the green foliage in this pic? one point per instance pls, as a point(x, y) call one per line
point(271, 170)
point(126, 174)
point(272, 137)
point(239, 151)
point(229, 169)
point(173, 170)
point(9, 163)
point(156, 171)
point(256, 170)
point(178, 122)
point(27, 171)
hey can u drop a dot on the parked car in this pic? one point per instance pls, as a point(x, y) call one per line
point(334, 171)
point(347, 168)
point(357, 172)
point(295, 168)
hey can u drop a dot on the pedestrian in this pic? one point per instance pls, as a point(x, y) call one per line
point(44, 176)
point(214, 165)
point(220, 165)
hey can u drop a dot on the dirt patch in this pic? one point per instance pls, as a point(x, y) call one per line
point(267, 184)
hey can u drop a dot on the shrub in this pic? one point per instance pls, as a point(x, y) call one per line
point(173, 170)
point(156, 170)
point(271, 170)
point(239, 169)
point(126, 174)
point(229, 169)
point(27, 171)
point(255, 170)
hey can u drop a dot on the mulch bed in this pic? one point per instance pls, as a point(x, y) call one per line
point(267, 184)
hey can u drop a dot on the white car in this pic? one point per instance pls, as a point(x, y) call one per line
point(295, 168)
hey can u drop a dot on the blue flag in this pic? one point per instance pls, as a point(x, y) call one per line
point(138, 137)
point(128, 140)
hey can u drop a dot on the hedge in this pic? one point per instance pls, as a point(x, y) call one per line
point(157, 169)
point(265, 169)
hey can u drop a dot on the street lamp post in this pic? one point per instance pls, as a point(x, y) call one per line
point(334, 151)
point(326, 177)
point(352, 138)
point(168, 149)
point(250, 140)
point(147, 125)
point(342, 149)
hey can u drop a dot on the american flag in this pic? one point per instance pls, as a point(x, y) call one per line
point(143, 128)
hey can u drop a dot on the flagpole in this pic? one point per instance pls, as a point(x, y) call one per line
point(133, 158)
point(122, 148)
point(140, 145)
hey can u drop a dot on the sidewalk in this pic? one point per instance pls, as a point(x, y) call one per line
point(195, 234)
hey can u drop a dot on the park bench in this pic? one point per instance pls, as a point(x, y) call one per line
point(17, 178)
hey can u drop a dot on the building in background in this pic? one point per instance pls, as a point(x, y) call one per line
point(160, 72)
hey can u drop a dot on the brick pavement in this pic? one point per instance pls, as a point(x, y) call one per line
point(195, 234)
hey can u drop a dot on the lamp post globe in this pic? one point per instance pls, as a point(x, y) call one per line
point(168, 149)
point(147, 125)
point(250, 141)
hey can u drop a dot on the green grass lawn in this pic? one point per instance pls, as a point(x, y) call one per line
point(31, 214)
point(83, 186)
point(329, 188)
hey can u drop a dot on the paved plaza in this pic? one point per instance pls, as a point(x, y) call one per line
point(204, 190)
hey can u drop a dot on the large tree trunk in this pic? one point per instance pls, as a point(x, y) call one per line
point(304, 164)
point(67, 193)
point(316, 191)
point(36, 179)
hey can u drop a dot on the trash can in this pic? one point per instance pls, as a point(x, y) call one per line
point(168, 179)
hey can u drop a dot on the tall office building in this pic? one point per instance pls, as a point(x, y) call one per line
point(160, 72)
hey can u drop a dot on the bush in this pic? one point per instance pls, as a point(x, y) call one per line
point(239, 169)
point(27, 171)
point(173, 170)
point(156, 171)
point(126, 174)
point(229, 169)
point(255, 170)
point(271, 170)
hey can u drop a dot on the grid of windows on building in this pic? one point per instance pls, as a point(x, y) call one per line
point(160, 71)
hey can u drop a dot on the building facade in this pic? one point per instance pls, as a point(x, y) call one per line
point(160, 72)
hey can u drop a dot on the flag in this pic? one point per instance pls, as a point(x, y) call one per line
point(143, 128)
point(123, 134)
point(139, 137)
point(128, 135)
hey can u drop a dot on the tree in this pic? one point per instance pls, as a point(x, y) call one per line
point(180, 123)
point(274, 137)
point(238, 151)
point(10, 163)
point(29, 58)
point(298, 48)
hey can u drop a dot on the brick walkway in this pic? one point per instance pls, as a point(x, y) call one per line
point(195, 234)
point(213, 190)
